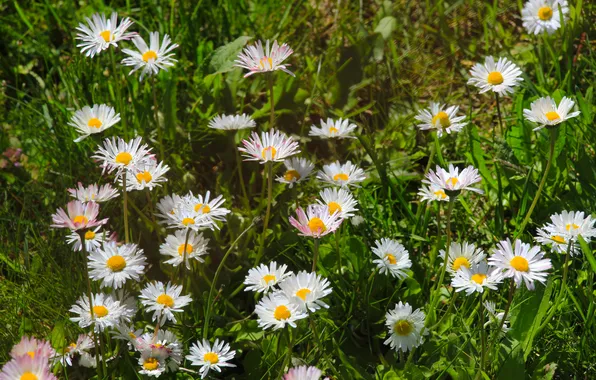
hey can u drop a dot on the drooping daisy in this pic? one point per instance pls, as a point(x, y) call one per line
point(276, 310)
point(263, 278)
point(340, 200)
point(544, 15)
point(345, 175)
point(256, 60)
point(27, 368)
point(557, 240)
point(83, 345)
point(452, 181)
point(393, 259)
point(495, 317)
point(306, 290)
point(119, 155)
point(270, 146)
point(90, 120)
point(476, 278)
point(147, 176)
point(316, 222)
point(520, 263)
point(297, 170)
point(179, 249)
point(93, 193)
point(340, 129)
point(462, 254)
point(303, 373)
point(164, 300)
point(166, 207)
point(32, 347)
point(405, 327)
point(101, 33)
point(78, 215)
point(440, 119)
point(159, 354)
point(210, 208)
point(232, 122)
point(546, 113)
point(94, 238)
point(500, 77)
point(107, 312)
point(210, 357)
point(150, 58)
point(433, 193)
point(113, 265)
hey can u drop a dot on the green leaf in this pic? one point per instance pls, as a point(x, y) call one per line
point(386, 26)
point(223, 58)
point(544, 306)
point(588, 252)
point(477, 156)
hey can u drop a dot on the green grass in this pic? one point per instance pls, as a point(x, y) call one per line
point(375, 63)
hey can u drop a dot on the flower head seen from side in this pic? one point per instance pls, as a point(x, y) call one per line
point(178, 249)
point(476, 279)
point(521, 262)
point(462, 254)
point(210, 357)
point(276, 310)
point(540, 16)
point(441, 119)
point(344, 175)
point(150, 59)
point(100, 33)
point(147, 176)
point(92, 120)
point(316, 222)
point(127, 333)
point(27, 368)
point(433, 193)
point(500, 77)
point(32, 347)
point(340, 129)
point(452, 181)
point(93, 193)
point(298, 169)
point(558, 240)
point(232, 122)
point(393, 258)
point(405, 327)
point(263, 278)
point(114, 265)
point(118, 155)
point(306, 290)
point(166, 208)
point(495, 317)
point(546, 113)
point(107, 312)
point(255, 59)
point(303, 373)
point(269, 146)
point(78, 215)
point(338, 200)
point(164, 300)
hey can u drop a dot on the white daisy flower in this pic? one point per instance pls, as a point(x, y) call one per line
point(540, 16)
point(119, 155)
point(462, 255)
point(82, 347)
point(153, 362)
point(94, 193)
point(452, 180)
point(276, 310)
point(440, 119)
point(306, 290)
point(338, 200)
point(405, 327)
point(164, 300)
point(127, 333)
point(179, 249)
point(146, 176)
point(476, 278)
point(316, 222)
point(344, 175)
point(167, 206)
point(546, 113)
point(159, 354)
point(263, 278)
point(433, 193)
point(257, 60)
point(232, 122)
point(185, 217)
point(574, 223)
point(101, 33)
point(500, 77)
point(297, 170)
point(27, 368)
point(393, 259)
point(340, 129)
point(32, 347)
point(557, 240)
point(520, 263)
point(210, 357)
point(495, 317)
point(150, 58)
point(270, 146)
point(78, 215)
point(89, 120)
point(93, 239)
point(107, 312)
point(303, 373)
point(209, 208)
point(114, 265)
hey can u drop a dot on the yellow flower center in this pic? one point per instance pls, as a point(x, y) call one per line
point(478, 278)
point(116, 263)
point(571, 225)
point(459, 262)
point(131, 335)
point(149, 54)
point(292, 175)
point(392, 260)
point(302, 293)
point(164, 299)
point(558, 239)
point(265, 63)
point(28, 376)
point(106, 35)
point(31, 354)
point(269, 153)
point(340, 177)
point(211, 357)
point(205, 208)
point(94, 123)
point(453, 181)
point(545, 13)
point(187, 221)
point(333, 130)
point(440, 193)
point(144, 176)
point(495, 78)
point(123, 158)
point(403, 328)
point(269, 277)
point(333, 207)
point(80, 219)
point(89, 235)
point(151, 364)
point(552, 115)
point(519, 263)
point(188, 249)
point(443, 118)
point(281, 312)
point(316, 225)
point(100, 311)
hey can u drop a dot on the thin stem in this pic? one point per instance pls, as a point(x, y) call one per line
point(507, 307)
point(315, 255)
point(184, 254)
point(103, 355)
point(272, 100)
point(160, 132)
point(451, 305)
point(438, 150)
point(482, 334)
point(240, 175)
point(499, 113)
point(125, 207)
point(119, 100)
point(337, 232)
point(269, 171)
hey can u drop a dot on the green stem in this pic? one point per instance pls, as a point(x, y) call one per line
point(269, 171)
point(125, 207)
point(160, 129)
point(315, 255)
point(499, 113)
point(482, 334)
point(119, 100)
point(506, 313)
point(337, 232)
point(438, 150)
point(240, 175)
point(451, 305)
point(183, 265)
point(272, 100)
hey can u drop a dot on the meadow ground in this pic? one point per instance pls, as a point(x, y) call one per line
point(375, 63)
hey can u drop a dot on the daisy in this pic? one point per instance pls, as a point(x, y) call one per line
point(276, 310)
point(119, 155)
point(500, 77)
point(164, 300)
point(405, 327)
point(147, 176)
point(297, 170)
point(573, 223)
point(440, 119)
point(338, 200)
point(89, 120)
point(232, 122)
point(433, 193)
point(94, 193)
point(27, 368)
point(78, 216)
point(114, 265)
point(209, 208)
point(128, 333)
point(153, 362)
point(557, 240)
point(303, 373)
point(150, 58)
point(494, 317)
point(93, 239)
point(32, 347)
point(462, 255)
point(521, 263)
point(82, 347)
point(476, 278)
point(270, 146)
point(546, 113)
point(180, 250)
point(452, 181)
point(101, 33)
point(166, 207)
point(263, 278)
point(343, 175)
point(161, 353)
point(106, 312)
point(393, 258)
point(340, 129)
point(316, 222)
point(257, 60)
point(544, 15)
point(210, 357)
point(185, 217)
point(306, 290)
